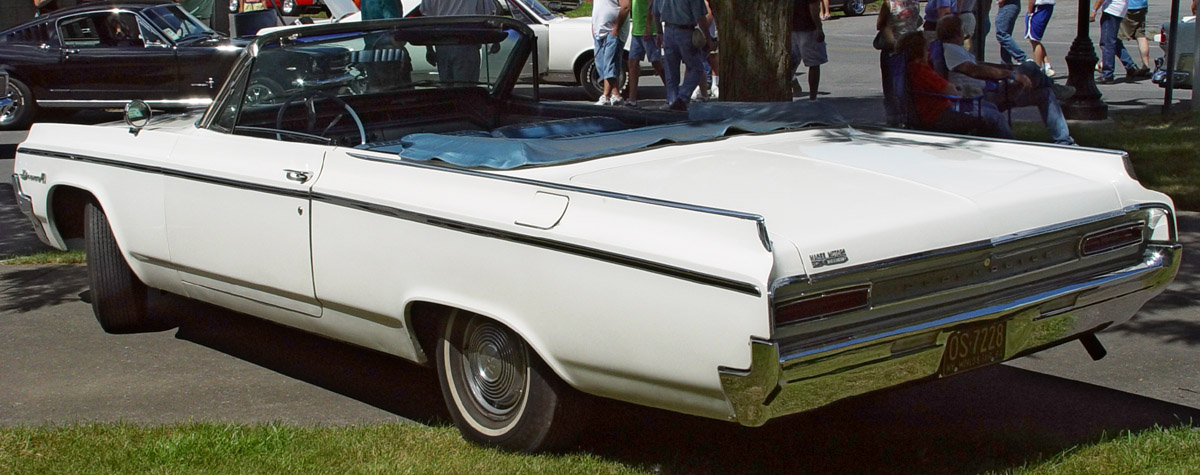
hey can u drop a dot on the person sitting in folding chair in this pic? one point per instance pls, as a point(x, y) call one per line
point(934, 98)
point(1030, 85)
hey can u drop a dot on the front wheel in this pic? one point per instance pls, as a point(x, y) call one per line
point(854, 8)
point(499, 392)
point(118, 296)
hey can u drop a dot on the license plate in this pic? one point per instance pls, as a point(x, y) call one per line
point(973, 347)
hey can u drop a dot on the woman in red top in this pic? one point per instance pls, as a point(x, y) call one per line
point(933, 107)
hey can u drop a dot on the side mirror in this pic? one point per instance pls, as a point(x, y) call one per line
point(137, 115)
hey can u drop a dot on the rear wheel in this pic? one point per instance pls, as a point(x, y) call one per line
point(590, 79)
point(118, 296)
point(854, 7)
point(20, 114)
point(499, 392)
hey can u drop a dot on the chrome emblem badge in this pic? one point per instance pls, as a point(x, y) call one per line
point(828, 258)
point(38, 178)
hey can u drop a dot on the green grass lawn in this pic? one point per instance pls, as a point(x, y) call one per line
point(44, 258)
point(412, 448)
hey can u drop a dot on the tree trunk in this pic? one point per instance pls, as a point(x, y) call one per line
point(754, 49)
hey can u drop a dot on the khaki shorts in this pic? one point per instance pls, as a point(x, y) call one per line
point(1133, 25)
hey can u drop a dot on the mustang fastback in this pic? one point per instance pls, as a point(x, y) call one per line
point(740, 262)
point(102, 55)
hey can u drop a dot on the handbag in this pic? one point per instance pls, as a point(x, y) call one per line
point(880, 41)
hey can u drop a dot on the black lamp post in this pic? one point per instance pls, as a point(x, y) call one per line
point(1081, 61)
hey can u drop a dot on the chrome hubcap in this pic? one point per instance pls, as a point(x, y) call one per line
point(18, 99)
point(494, 363)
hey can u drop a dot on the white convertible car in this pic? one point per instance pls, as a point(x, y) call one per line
point(743, 263)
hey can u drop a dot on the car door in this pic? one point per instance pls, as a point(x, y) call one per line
point(238, 219)
point(110, 61)
point(237, 212)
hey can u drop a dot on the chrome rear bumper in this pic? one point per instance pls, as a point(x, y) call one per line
point(777, 385)
point(25, 204)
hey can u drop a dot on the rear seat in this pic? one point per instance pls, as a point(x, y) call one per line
point(560, 128)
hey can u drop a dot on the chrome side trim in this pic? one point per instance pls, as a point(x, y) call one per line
point(583, 251)
point(758, 219)
point(629, 261)
point(94, 104)
point(778, 384)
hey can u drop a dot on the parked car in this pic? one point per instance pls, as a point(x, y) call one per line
point(104, 55)
point(287, 7)
point(848, 7)
point(740, 262)
point(564, 44)
point(1185, 52)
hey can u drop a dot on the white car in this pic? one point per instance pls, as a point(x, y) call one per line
point(742, 263)
point(565, 45)
point(1185, 52)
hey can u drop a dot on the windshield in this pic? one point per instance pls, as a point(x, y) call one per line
point(372, 68)
point(176, 24)
point(537, 8)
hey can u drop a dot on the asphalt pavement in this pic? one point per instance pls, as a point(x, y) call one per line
point(208, 364)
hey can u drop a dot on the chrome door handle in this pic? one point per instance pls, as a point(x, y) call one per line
point(297, 175)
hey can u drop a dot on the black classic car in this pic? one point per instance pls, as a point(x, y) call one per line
point(102, 55)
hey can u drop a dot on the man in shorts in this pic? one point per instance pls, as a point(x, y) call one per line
point(1133, 28)
point(1036, 21)
point(808, 42)
point(643, 44)
point(609, 29)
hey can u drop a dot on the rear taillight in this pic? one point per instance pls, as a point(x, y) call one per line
point(1112, 239)
point(825, 304)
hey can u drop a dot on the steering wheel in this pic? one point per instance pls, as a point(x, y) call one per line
point(310, 111)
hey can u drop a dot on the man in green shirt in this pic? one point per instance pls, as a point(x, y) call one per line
point(643, 44)
point(201, 9)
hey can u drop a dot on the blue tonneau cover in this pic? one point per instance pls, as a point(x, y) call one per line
point(579, 139)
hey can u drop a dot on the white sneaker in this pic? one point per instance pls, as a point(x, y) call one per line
point(603, 101)
point(699, 95)
point(1048, 70)
point(715, 93)
point(615, 100)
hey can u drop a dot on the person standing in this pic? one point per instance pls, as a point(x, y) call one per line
point(1036, 21)
point(201, 9)
point(609, 29)
point(1006, 21)
point(808, 42)
point(456, 63)
point(680, 18)
point(897, 19)
point(643, 44)
point(1133, 28)
point(1111, 47)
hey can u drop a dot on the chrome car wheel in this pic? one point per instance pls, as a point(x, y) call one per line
point(289, 7)
point(21, 112)
point(854, 7)
point(233, 6)
point(499, 392)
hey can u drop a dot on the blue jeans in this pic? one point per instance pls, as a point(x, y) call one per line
point(1006, 20)
point(1039, 94)
point(1111, 47)
point(677, 47)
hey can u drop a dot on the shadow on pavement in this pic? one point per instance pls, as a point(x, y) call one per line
point(17, 237)
point(386, 382)
point(26, 288)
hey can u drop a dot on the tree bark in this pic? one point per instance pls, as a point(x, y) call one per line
point(754, 37)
